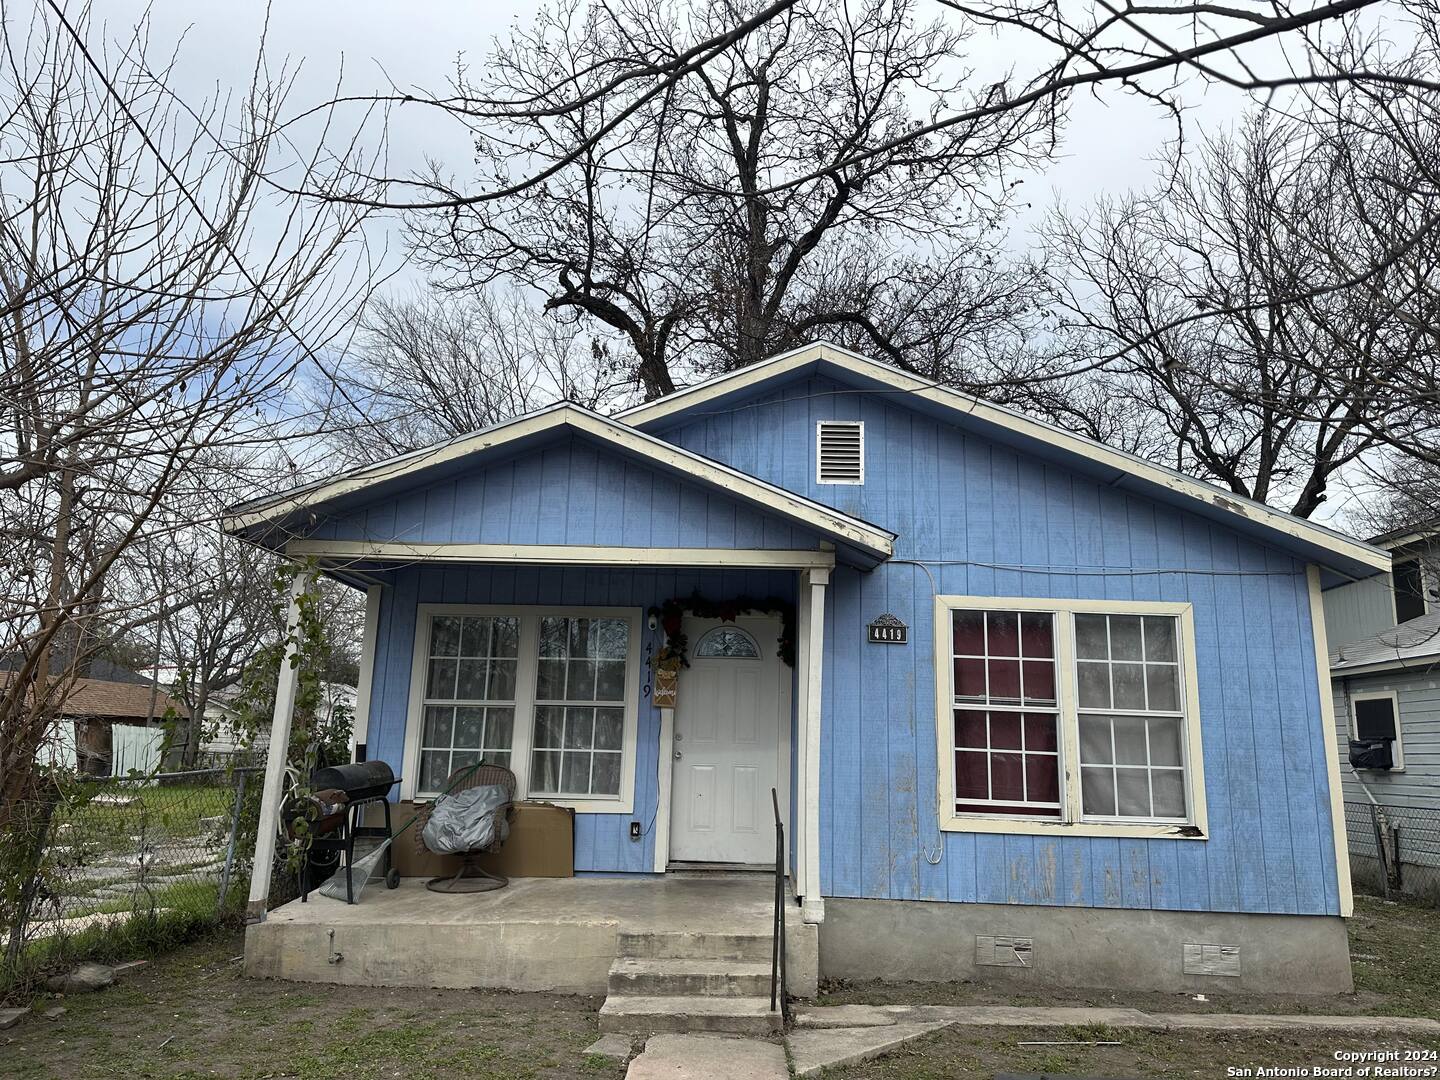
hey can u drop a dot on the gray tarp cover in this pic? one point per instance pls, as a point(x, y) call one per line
point(466, 820)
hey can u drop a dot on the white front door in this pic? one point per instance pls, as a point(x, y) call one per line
point(732, 722)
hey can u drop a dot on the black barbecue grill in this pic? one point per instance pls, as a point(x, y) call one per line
point(340, 797)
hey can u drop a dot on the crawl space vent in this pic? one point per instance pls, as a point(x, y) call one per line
point(840, 452)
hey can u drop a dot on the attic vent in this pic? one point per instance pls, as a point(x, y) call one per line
point(840, 452)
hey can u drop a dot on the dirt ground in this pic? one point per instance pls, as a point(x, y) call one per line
point(963, 1053)
point(192, 1015)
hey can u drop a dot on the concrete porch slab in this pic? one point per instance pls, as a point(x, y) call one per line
point(540, 934)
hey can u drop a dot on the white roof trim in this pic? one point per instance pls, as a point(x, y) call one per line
point(862, 534)
point(948, 397)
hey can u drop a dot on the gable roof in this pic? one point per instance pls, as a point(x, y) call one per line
point(106, 699)
point(1413, 644)
point(270, 520)
point(1347, 557)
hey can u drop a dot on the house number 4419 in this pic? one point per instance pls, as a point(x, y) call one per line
point(887, 630)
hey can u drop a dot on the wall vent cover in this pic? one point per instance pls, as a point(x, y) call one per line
point(1003, 951)
point(840, 452)
point(1202, 959)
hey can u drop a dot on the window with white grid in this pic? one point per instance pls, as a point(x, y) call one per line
point(553, 694)
point(1071, 713)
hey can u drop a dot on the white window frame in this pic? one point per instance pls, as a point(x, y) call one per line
point(1397, 748)
point(859, 425)
point(1072, 821)
point(525, 686)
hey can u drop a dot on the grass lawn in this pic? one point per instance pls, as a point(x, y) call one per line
point(192, 1015)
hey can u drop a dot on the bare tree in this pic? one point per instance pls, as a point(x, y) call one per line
point(1217, 315)
point(155, 304)
point(432, 366)
point(684, 233)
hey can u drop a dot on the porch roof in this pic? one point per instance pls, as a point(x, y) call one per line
point(285, 521)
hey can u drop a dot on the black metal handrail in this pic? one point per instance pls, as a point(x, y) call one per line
point(777, 945)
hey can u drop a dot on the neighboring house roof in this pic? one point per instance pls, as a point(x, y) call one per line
point(1415, 531)
point(267, 520)
point(1413, 644)
point(108, 700)
point(1350, 557)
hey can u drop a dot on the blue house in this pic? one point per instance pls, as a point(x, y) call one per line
point(1034, 708)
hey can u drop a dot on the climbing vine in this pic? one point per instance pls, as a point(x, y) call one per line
point(671, 613)
point(314, 741)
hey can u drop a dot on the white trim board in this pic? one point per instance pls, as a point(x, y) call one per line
point(1332, 752)
point(568, 554)
point(965, 406)
point(872, 539)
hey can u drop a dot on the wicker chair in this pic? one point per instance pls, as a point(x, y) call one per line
point(471, 877)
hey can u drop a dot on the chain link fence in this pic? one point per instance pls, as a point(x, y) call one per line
point(125, 864)
point(1394, 850)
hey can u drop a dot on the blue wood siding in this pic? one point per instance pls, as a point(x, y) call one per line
point(993, 523)
point(568, 493)
point(602, 841)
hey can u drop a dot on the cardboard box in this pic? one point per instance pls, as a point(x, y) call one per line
point(541, 844)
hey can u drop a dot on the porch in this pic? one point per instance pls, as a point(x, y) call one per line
point(552, 934)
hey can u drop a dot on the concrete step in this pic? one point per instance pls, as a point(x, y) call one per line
point(667, 976)
point(694, 945)
point(648, 1015)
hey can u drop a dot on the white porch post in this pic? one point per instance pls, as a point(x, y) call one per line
point(266, 831)
point(810, 656)
point(367, 666)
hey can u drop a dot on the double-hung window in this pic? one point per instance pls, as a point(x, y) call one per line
point(1068, 715)
point(552, 694)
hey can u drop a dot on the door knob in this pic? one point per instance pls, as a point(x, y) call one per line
point(678, 755)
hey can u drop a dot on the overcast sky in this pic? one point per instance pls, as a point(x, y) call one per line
point(1111, 144)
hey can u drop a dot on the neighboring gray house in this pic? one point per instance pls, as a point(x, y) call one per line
point(1367, 607)
point(1387, 711)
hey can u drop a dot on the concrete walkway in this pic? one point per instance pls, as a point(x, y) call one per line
point(824, 1037)
point(708, 1057)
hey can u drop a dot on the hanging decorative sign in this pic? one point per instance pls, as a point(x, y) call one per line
point(887, 630)
point(665, 684)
